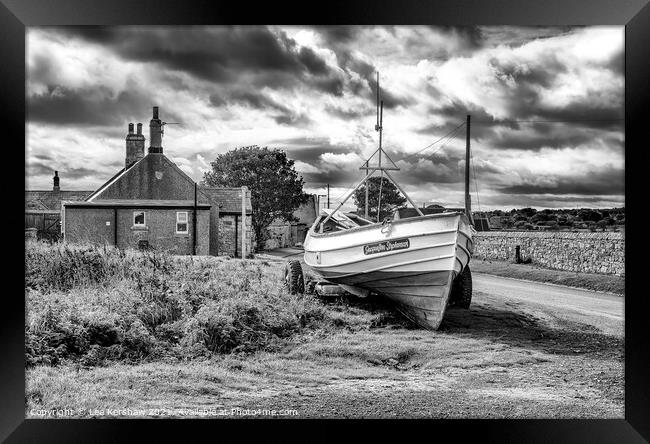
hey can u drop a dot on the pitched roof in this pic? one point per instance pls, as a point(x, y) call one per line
point(51, 200)
point(229, 199)
point(108, 182)
point(156, 177)
point(306, 213)
point(153, 177)
point(140, 203)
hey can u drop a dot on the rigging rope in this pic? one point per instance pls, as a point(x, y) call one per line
point(449, 135)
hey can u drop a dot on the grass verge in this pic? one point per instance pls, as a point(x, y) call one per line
point(589, 281)
point(90, 305)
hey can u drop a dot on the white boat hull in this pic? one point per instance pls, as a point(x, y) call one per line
point(411, 261)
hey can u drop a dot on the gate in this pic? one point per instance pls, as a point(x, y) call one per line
point(48, 224)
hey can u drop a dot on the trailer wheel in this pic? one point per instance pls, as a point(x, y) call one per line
point(293, 278)
point(461, 291)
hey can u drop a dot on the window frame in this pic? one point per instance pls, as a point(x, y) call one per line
point(187, 222)
point(144, 219)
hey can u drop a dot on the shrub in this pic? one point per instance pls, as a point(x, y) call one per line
point(93, 305)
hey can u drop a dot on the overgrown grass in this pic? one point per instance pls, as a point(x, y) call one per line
point(91, 305)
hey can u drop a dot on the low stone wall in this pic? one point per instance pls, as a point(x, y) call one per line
point(588, 252)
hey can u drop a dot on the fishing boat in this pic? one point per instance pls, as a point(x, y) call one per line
point(420, 262)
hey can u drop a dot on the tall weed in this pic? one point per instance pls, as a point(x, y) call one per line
point(91, 305)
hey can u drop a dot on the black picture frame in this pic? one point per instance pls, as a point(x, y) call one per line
point(16, 15)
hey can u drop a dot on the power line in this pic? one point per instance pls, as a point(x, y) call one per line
point(430, 156)
point(547, 121)
point(431, 144)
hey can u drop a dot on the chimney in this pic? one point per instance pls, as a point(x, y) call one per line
point(155, 133)
point(56, 181)
point(134, 146)
point(139, 137)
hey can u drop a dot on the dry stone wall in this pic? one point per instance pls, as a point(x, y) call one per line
point(587, 252)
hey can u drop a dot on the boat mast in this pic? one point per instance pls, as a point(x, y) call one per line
point(381, 171)
point(468, 198)
point(366, 212)
point(371, 170)
point(380, 119)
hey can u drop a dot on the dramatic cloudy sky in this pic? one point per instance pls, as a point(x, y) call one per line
point(546, 105)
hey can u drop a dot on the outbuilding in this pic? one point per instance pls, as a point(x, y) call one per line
point(43, 209)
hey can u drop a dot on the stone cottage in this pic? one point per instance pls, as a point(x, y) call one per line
point(230, 218)
point(43, 208)
point(152, 204)
point(289, 234)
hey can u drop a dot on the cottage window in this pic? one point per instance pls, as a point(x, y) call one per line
point(181, 222)
point(138, 219)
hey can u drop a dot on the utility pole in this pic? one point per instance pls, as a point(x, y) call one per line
point(328, 196)
point(194, 221)
point(243, 223)
point(468, 198)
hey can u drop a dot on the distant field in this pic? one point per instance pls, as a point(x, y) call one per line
point(596, 282)
point(115, 334)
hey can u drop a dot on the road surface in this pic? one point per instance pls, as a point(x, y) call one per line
point(601, 310)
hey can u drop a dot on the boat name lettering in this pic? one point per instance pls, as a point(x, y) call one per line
point(390, 245)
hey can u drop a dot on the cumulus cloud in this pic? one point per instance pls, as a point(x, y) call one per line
point(546, 104)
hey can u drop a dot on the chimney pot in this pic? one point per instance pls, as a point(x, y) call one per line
point(56, 181)
point(155, 133)
point(134, 146)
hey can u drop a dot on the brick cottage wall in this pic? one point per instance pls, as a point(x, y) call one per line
point(96, 225)
point(589, 252)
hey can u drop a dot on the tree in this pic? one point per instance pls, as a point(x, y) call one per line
point(588, 214)
point(276, 187)
point(390, 197)
point(528, 212)
point(602, 224)
point(540, 217)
